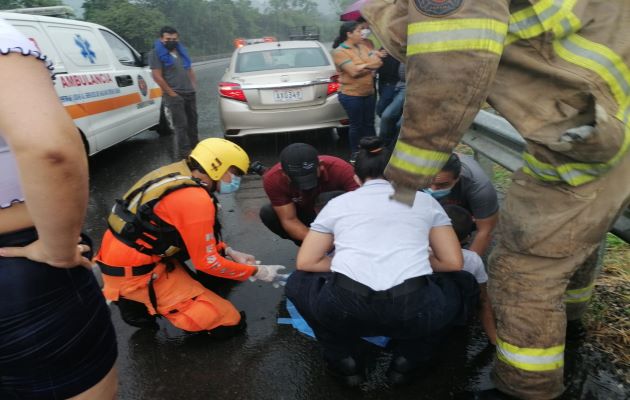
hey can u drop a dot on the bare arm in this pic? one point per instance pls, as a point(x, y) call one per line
point(192, 77)
point(483, 237)
point(290, 222)
point(374, 61)
point(159, 79)
point(355, 70)
point(51, 160)
point(447, 253)
point(312, 254)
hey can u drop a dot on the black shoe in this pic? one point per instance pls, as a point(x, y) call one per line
point(346, 371)
point(136, 314)
point(257, 167)
point(488, 394)
point(225, 332)
point(401, 371)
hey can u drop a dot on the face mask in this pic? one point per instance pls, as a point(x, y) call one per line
point(365, 33)
point(171, 45)
point(438, 194)
point(230, 187)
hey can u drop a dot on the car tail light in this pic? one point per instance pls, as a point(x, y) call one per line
point(231, 91)
point(333, 86)
point(344, 122)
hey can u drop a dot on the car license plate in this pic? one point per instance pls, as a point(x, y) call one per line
point(287, 95)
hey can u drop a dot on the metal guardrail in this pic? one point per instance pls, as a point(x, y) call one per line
point(495, 139)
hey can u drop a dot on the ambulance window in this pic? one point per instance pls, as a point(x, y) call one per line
point(122, 52)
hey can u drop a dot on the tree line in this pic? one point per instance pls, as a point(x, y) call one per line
point(205, 26)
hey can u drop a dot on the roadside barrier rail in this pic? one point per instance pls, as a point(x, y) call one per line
point(494, 139)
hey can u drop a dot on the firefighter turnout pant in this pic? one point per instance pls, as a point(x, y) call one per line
point(559, 72)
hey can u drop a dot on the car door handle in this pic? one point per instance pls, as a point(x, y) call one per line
point(124, 80)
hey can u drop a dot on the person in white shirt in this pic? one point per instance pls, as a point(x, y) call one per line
point(380, 280)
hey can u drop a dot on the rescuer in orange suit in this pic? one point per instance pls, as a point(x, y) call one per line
point(558, 71)
point(168, 216)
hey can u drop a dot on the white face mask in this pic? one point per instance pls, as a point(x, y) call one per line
point(365, 33)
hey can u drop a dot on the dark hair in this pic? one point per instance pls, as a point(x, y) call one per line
point(454, 165)
point(167, 29)
point(371, 159)
point(461, 219)
point(346, 27)
point(194, 165)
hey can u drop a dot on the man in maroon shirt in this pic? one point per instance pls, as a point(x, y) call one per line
point(300, 184)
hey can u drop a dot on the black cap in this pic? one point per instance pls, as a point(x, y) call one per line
point(300, 162)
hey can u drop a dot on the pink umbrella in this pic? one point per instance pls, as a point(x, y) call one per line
point(353, 11)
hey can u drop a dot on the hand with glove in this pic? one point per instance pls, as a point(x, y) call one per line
point(240, 257)
point(268, 273)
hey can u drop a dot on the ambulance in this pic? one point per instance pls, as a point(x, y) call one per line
point(101, 80)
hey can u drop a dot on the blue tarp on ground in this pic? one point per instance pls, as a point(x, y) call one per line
point(300, 324)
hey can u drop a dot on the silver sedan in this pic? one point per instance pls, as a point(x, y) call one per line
point(280, 87)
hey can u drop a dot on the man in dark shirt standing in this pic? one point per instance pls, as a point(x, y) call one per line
point(172, 71)
point(298, 185)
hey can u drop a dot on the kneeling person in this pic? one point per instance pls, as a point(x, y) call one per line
point(297, 185)
point(168, 216)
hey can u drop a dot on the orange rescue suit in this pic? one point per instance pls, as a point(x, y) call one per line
point(180, 298)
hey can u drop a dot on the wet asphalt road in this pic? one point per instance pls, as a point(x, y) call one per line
point(272, 361)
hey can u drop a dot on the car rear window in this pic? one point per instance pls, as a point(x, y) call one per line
point(281, 59)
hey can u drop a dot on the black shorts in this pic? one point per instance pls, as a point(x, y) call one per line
point(56, 335)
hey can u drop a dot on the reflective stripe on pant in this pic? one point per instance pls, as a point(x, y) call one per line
point(546, 233)
point(580, 290)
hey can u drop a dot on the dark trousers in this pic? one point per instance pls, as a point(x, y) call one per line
point(415, 314)
point(182, 116)
point(391, 119)
point(360, 110)
point(269, 217)
point(386, 91)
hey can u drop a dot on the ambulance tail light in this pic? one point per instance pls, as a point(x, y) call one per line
point(232, 91)
point(333, 86)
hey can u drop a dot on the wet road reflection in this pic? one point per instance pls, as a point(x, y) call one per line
point(272, 361)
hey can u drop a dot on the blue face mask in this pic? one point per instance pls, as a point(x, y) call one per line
point(438, 194)
point(230, 187)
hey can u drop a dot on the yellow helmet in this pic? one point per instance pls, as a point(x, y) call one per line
point(216, 156)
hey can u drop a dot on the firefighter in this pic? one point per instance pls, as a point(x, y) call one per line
point(168, 216)
point(558, 71)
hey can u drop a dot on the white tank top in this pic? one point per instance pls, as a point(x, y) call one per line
point(12, 41)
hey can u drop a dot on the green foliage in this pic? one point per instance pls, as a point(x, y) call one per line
point(206, 26)
point(137, 24)
point(11, 4)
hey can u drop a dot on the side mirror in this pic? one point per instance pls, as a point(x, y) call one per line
point(144, 59)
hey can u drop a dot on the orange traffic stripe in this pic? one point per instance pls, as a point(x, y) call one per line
point(156, 92)
point(101, 106)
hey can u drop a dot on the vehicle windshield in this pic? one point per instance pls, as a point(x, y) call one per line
point(281, 59)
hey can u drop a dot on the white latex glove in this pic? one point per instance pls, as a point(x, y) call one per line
point(239, 256)
point(266, 273)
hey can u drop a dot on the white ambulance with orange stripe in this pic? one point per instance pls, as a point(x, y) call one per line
point(100, 79)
